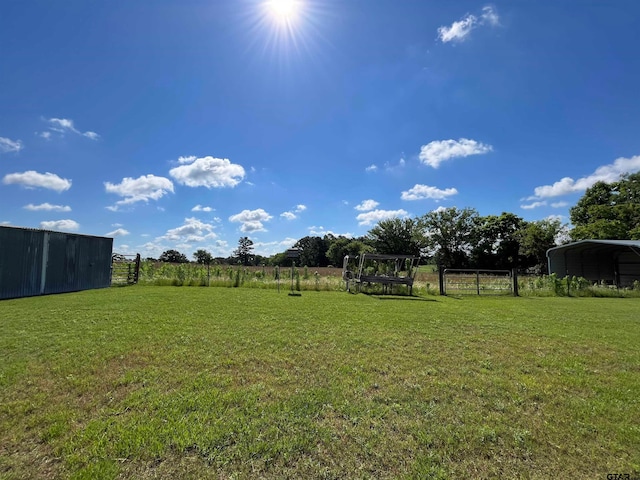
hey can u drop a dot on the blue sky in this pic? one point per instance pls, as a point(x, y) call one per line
point(188, 124)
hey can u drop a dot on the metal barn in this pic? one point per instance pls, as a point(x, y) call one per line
point(40, 262)
point(613, 262)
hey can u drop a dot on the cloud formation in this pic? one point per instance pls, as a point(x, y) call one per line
point(251, 220)
point(421, 192)
point(141, 189)
point(366, 205)
point(62, 126)
point(33, 179)
point(291, 214)
point(10, 146)
point(192, 231)
point(63, 225)
point(207, 172)
point(119, 232)
point(47, 207)
point(438, 151)
point(607, 173)
point(200, 208)
point(460, 30)
point(375, 216)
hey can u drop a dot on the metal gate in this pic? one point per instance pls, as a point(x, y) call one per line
point(478, 282)
point(125, 269)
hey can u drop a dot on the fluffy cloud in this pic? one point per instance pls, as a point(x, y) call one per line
point(438, 151)
point(533, 205)
point(421, 192)
point(321, 232)
point(371, 168)
point(607, 173)
point(251, 220)
point(119, 232)
point(366, 205)
point(291, 215)
point(144, 188)
point(460, 30)
point(207, 172)
point(376, 216)
point(47, 207)
point(200, 208)
point(31, 179)
point(192, 231)
point(63, 126)
point(64, 225)
point(7, 145)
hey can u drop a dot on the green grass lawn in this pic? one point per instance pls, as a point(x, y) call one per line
point(165, 382)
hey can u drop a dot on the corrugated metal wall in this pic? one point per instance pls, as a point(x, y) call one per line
point(37, 262)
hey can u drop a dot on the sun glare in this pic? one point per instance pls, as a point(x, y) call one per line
point(283, 10)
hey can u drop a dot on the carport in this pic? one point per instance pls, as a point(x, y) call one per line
point(612, 262)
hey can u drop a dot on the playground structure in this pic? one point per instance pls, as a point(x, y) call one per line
point(387, 270)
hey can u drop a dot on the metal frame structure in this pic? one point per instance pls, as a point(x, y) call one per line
point(611, 262)
point(125, 269)
point(478, 282)
point(387, 270)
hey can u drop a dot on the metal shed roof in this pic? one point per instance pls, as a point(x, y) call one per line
point(590, 244)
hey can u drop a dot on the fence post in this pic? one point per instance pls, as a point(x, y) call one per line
point(514, 275)
point(478, 281)
point(441, 279)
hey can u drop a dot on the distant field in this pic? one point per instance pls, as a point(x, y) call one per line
point(166, 382)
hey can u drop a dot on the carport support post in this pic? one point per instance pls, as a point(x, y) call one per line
point(514, 276)
point(441, 279)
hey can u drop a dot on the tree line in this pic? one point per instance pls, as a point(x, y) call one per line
point(461, 238)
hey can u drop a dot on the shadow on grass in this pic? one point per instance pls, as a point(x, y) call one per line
point(402, 297)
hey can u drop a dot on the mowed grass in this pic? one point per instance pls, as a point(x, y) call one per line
point(164, 382)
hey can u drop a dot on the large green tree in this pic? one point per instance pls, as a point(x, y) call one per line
point(313, 251)
point(535, 239)
point(608, 211)
point(342, 246)
point(203, 257)
point(451, 235)
point(173, 256)
point(496, 241)
point(244, 252)
point(402, 236)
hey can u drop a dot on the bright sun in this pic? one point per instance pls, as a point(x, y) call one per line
point(283, 10)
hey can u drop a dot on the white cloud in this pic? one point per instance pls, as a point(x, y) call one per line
point(366, 205)
point(376, 216)
point(371, 168)
point(420, 192)
point(559, 204)
point(144, 188)
point(207, 172)
point(64, 225)
point(271, 248)
point(45, 135)
point(291, 214)
point(200, 208)
point(438, 151)
point(65, 125)
point(252, 220)
point(192, 231)
point(31, 179)
point(7, 145)
point(533, 205)
point(119, 232)
point(47, 207)
point(607, 173)
point(460, 30)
